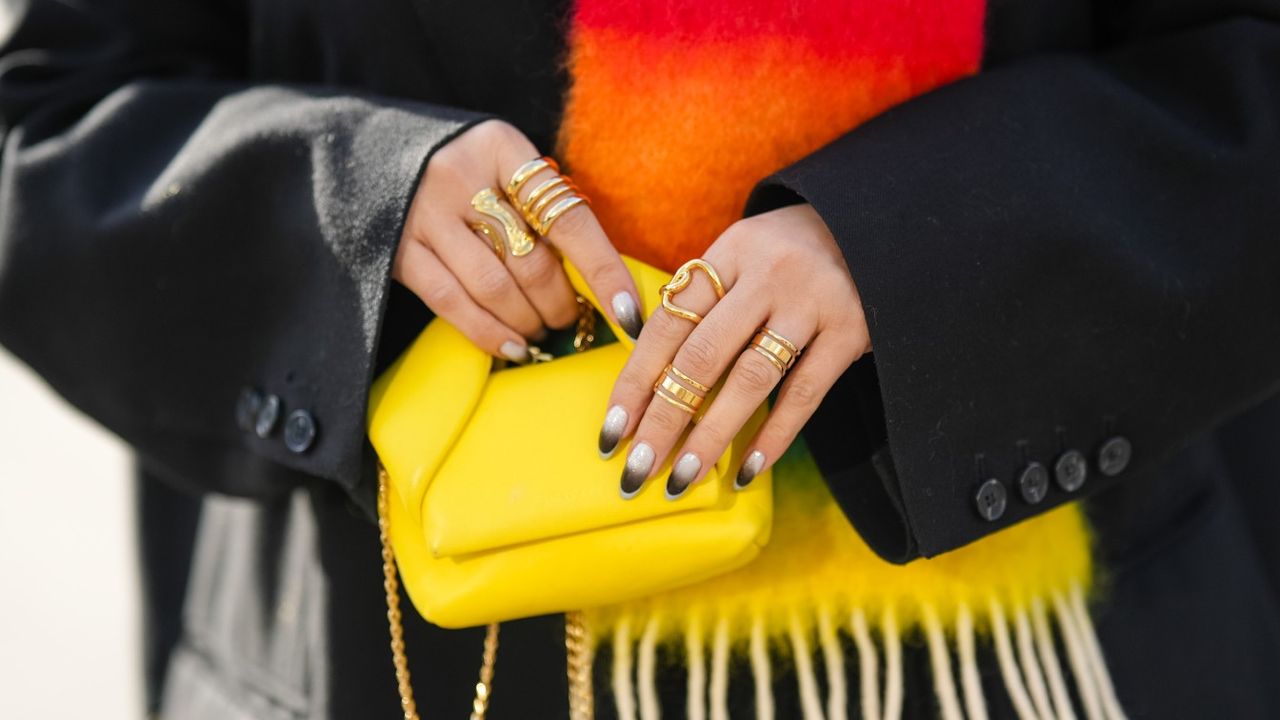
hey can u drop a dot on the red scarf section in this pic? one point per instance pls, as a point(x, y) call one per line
point(677, 109)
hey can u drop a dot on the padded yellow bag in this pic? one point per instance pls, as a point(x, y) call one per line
point(499, 505)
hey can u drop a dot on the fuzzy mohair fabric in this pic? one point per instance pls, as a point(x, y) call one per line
point(676, 110)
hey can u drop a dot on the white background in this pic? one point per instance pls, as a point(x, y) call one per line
point(70, 642)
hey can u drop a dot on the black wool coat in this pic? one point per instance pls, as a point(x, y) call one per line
point(1075, 250)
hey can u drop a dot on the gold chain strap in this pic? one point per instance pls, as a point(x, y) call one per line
point(577, 645)
point(577, 638)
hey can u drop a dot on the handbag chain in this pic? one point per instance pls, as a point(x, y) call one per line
point(577, 636)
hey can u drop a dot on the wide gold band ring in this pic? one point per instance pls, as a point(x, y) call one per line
point(776, 349)
point(680, 280)
point(548, 200)
point(680, 390)
point(519, 241)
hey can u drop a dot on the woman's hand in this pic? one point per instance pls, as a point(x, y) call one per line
point(781, 270)
point(501, 303)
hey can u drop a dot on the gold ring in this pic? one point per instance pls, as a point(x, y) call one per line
point(668, 387)
point(681, 279)
point(491, 234)
point(696, 385)
point(526, 171)
point(519, 241)
point(776, 349)
point(790, 345)
point(684, 398)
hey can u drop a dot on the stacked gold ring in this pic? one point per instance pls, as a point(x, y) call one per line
point(680, 390)
point(776, 349)
point(548, 200)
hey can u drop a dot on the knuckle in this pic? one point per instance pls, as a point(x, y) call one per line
point(440, 298)
point(540, 270)
point(711, 437)
point(698, 357)
point(492, 284)
point(756, 375)
point(802, 391)
point(562, 314)
point(665, 420)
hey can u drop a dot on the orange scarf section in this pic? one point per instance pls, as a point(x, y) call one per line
point(677, 110)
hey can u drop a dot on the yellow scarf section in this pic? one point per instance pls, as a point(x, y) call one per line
point(816, 580)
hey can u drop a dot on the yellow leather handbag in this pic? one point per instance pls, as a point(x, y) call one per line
point(498, 504)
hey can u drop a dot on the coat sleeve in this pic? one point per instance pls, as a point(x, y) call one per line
point(1068, 263)
point(174, 238)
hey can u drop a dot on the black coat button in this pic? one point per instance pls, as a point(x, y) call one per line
point(247, 408)
point(1033, 482)
point(299, 431)
point(991, 500)
point(268, 415)
point(1114, 456)
point(1070, 470)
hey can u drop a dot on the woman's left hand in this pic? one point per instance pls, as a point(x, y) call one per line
point(781, 270)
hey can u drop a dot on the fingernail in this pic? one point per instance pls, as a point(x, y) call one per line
point(615, 422)
point(627, 311)
point(514, 351)
point(751, 467)
point(639, 463)
point(682, 475)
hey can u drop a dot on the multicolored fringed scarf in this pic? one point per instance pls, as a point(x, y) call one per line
point(675, 111)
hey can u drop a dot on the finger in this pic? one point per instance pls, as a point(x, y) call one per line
point(578, 234)
point(826, 358)
point(426, 275)
point(748, 385)
point(702, 359)
point(541, 278)
point(484, 276)
point(663, 334)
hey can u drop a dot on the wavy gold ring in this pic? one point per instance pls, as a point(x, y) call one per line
point(519, 241)
point(681, 279)
point(491, 234)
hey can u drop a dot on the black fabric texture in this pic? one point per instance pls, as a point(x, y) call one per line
point(199, 197)
point(1062, 249)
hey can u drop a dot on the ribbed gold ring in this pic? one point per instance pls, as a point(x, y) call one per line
point(681, 279)
point(524, 172)
point(519, 240)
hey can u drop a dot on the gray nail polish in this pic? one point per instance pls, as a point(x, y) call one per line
point(615, 422)
point(514, 351)
point(751, 467)
point(639, 463)
point(682, 475)
point(627, 311)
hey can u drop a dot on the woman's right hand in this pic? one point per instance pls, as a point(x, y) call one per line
point(501, 303)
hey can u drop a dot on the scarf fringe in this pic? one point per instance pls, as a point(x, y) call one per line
point(1030, 668)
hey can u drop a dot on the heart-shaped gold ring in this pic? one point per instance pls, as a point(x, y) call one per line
point(681, 279)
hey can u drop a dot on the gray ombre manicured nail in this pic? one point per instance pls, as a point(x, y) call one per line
point(682, 475)
point(514, 351)
point(639, 463)
point(751, 467)
point(627, 311)
point(615, 422)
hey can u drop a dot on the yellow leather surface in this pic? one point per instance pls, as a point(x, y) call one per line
point(501, 506)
